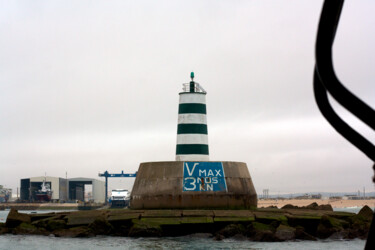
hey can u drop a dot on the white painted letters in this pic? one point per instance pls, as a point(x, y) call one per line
point(192, 171)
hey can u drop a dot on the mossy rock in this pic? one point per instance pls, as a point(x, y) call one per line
point(264, 236)
point(329, 225)
point(359, 228)
point(25, 228)
point(366, 212)
point(289, 206)
point(309, 223)
point(145, 230)
point(53, 225)
point(101, 226)
point(81, 231)
point(232, 230)
point(14, 219)
point(302, 235)
point(342, 215)
point(284, 233)
point(332, 222)
point(257, 226)
point(268, 219)
point(43, 222)
point(38, 217)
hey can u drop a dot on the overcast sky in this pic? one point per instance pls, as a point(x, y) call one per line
point(89, 86)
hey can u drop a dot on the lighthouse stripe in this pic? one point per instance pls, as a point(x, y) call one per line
point(192, 118)
point(192, 139)
point(192, 157)
point(185, 149)
point(192, 129)
point(192, 108)
point(192, 98)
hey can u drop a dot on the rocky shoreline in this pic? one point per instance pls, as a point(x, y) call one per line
point(263, 224)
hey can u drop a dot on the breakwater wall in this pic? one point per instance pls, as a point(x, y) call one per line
point(268, 224)
point(49, 206)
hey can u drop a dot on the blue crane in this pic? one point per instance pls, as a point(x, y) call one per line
point(106, 175)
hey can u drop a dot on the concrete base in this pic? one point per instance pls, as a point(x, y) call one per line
point(159, 185)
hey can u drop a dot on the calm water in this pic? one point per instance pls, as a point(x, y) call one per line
point(27, 242)
point(22, 242)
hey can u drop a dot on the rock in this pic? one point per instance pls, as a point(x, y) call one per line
point(261, 232)
point(284, 233)
point(302, 235)
point(313, 206)
point(360, 227)
point(14, 219)
point(272, 206)
point(53, 225)
point(144, 230)
point(325, 207)
point(339, 235)
point(329, 225)
point(219, 237)
point(239, 237)
point(3, 229)
point(200, 235)
point(81, 231)
point(289, 206)
point(309, 223)
point(232, 230)
point(27, 228)
point(265, 236)
point(101, 226)
point(366, 213)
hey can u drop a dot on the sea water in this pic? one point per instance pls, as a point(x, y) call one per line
point(197, 241)
point(28, 242)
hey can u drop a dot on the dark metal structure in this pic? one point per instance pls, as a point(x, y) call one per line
point(106, 175)
point(325, 80)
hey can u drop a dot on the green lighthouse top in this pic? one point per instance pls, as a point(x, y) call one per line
point(192, 76)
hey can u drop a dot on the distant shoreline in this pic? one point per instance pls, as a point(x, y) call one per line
point(335, 203)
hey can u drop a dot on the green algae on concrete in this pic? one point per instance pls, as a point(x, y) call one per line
point(196, 220)
point(234, 219)
point(84, 217)
point(162, 213)
point(158, 221)
point(258, 226)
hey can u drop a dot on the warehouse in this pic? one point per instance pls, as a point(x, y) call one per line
point(60, 186)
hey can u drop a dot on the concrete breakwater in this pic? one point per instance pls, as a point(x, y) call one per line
point(50, 206)
point(266, 224)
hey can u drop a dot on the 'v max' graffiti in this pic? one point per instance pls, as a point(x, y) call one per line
point(204, 176)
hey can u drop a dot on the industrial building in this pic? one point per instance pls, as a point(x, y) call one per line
point(60, 188)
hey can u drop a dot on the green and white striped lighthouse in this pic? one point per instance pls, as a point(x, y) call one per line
point(192, 136)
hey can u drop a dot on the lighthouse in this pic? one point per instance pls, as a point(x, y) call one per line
point(192, 132)
point(192, 181)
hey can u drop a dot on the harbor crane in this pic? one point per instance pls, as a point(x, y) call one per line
point(107, 175)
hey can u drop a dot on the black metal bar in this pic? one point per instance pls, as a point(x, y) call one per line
point(337, 123)
point(325, 80)
point(323, 52)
